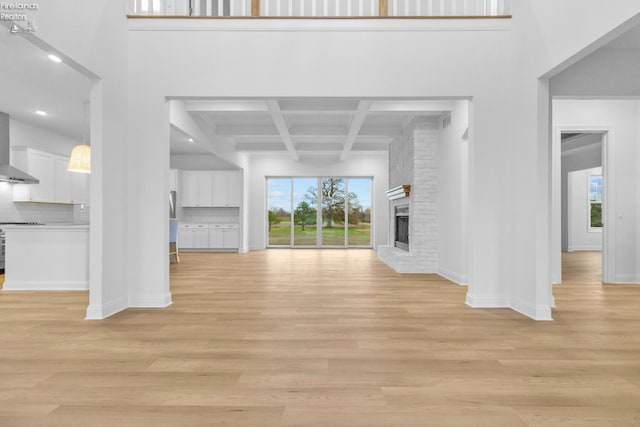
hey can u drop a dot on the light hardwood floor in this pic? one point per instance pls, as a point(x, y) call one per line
point(322, 338)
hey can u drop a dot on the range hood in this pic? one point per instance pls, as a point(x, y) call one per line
point(10, 173)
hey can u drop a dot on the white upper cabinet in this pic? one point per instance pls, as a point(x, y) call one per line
point(211, 188)
point(227, 188)
point(197, 189)
point(57, 184)
point(61, 180)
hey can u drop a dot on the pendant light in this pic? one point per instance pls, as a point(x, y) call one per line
point(80, 160)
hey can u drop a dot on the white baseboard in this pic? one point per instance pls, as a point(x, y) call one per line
point(585, 248)
point(150, 301)
point(626, 279)
point(538, 312)
point(459, 279)
point(100, 312)
point(487, 301)
point(19, 285)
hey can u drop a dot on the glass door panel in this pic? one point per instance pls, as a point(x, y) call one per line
point(359, 206)
point(333, 198)
point(305, 204)
point(279, 211)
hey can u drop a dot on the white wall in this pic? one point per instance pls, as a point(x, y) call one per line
point(26, 134)
point(580, 237)
point(96, 45)
point(452, 192)
point(623, 141)
point(335, 59)
point(364, 165)
point(547, 38)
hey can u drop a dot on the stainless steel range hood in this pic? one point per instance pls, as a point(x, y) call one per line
point(10, 173)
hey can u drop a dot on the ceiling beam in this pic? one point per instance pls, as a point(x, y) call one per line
point(354, 129)
point(281, 125)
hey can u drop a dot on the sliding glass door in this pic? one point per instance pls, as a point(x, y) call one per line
point(319, 212)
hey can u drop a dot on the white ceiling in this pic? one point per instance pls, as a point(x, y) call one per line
point(326, 129)
point(29, 80)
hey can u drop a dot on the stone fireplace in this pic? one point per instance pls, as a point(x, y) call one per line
point(413, 225)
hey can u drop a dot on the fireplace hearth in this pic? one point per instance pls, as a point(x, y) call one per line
point(402, 228)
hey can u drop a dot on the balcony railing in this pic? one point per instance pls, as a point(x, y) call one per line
point(321, 8)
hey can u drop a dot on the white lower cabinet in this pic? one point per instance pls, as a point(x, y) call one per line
point(222, 236)
point(193, 236)
point(208, 236)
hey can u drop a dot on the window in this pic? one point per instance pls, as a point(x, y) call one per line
point(595, 202)
point(319, 212)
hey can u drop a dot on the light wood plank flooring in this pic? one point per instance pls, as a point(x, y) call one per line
point(322, 338)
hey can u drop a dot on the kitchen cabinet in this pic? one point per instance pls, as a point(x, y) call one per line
point(227, 188)
point(57, 184)
point(223, 236)
point(208, 236)
point(174, 179)
point(197, 189)
point(79, 188)
point(193, 236)
point(61, 180)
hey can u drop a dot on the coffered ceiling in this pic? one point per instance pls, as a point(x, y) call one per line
point(311, 128)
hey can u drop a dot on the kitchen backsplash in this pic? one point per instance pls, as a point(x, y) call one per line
point(25, 212)
point(211, 215)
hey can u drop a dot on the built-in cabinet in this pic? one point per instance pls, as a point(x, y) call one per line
point(211, 189)
point(208, 236)
point(57, 184)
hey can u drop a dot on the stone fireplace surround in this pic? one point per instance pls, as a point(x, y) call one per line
point(413, 159)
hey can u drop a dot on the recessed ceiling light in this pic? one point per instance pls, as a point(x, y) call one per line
point(55, 58)
point(41, 113)
point(190, 139)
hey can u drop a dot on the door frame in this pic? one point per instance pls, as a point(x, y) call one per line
point(608, 200)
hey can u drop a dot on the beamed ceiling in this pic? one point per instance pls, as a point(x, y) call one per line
point(309, 128)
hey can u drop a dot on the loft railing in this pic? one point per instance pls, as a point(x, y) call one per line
point(320, 8)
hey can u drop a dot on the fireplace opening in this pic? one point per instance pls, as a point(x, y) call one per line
point(402, 227)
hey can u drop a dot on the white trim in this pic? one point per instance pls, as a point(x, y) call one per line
point(321, 25)
point(100, 312)
point(459, 279)
point(487, 301)
point(30, 285)
point(538, 312)
point(626, 279)
point(150, 301)
point(584, 248)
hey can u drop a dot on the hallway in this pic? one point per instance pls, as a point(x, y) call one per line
point(322, 338)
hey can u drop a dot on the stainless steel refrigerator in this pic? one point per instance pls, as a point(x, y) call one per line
point(172, 204)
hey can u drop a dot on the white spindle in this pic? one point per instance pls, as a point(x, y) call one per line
point(454, 8)
point(137, 7)
point(302, 3)
point(337, 6)
point(220, 7)
point(372, 7)
point(265, 12)
point(196, 7)
point(429, 7)
point(278, 8)
point(313, 7)
point(407, 11)
point(360, 8)
point(349, 8)
point(325, 8)
point(419, 7)
point(209, 7)
point(290, 8)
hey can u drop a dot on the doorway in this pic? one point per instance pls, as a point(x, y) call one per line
point(579, 184)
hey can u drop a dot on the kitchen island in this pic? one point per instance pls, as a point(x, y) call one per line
point(47, 257)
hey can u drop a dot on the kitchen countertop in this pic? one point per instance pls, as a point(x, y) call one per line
point(54, 226)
